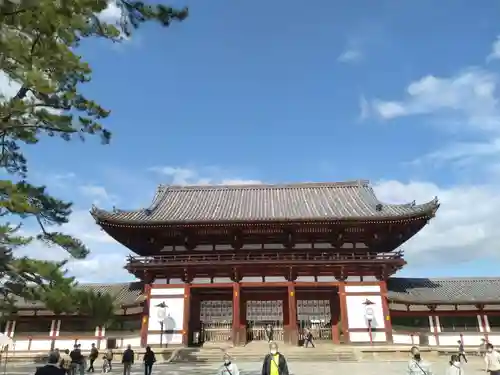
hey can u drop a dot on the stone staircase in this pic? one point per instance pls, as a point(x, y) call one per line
point(255, 352)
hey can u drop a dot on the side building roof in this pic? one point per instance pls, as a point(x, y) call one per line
point(126, 294)
point(261, 203)
point(444, 291)
point(400, 289)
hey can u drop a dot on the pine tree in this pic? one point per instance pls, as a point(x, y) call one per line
point(39, 51)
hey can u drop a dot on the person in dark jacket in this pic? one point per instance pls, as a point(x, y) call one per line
point(274, 362)
point(461, 351)
point(94, 353)
point(127, 360)
point(77, 360)
point(52, 366)
point(149, 360)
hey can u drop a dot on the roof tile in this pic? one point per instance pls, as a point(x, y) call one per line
point(320, 201)
point(452, 290)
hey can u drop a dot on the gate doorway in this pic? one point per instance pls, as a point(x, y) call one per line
point(316, 316)
point(264, 320)
point(216, 320)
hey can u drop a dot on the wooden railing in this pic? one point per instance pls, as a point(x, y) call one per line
point(267, 257)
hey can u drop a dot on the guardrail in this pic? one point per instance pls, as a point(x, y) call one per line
point(266, 257)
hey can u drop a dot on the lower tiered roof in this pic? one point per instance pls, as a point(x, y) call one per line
point(422, 291)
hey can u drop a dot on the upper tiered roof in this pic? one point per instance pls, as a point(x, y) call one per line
point(261, 203)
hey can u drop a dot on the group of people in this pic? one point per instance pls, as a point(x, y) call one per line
point(274, 363)
point(74, 362)
point(417, 366)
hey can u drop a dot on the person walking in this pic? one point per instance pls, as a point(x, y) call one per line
point(128, 360)
point(308, 338)
point(269, 332)
point(274, 362)
point(109, 358)
point(149, 360)
point(228, 367)
point(417, 366)
point(461, 351)
point(492, 360)
point(455, 367)
point(94, 353)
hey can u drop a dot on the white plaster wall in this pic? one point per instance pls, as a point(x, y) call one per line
point(356, 312)
point(365, 337)
point(432, 340)
point(494, 339)
point(167, 291)
point(406, 339)
point(362, 288)
point(132, 341)
point(175, 314)
point(64, 344)
point(21, 345)
point(468, 340)
point(40, 345)
point(175, 339)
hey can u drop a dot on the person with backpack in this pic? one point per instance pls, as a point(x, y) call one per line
point(128, 360)
point(94, 353)
point(274, 362)
point(228, 367)
point(492, 360)
point(149, 360)
point(455, 366)
point(417, 366)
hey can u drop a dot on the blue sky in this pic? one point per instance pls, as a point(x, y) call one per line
point(402, 93)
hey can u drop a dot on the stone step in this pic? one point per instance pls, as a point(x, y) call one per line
point(256, 352)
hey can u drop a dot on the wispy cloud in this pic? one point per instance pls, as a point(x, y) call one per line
point(350, 55)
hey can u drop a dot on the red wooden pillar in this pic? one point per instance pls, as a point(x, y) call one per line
point(343, 313)
point(186, 331)
point(386, 312)
point(237, 339)
point(145, 315)
point(292, 311)
point(335, 307)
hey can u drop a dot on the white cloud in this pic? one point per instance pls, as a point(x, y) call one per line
point(350, 55)
point(463, 153)
point(8, 87)
point(98, 194)
point(112, 14)
point(468, 98)
point(202, 176)
point(495, 51)
point(465, 224)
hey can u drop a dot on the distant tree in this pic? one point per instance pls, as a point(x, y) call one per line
point(98, 307)
point(39, 53)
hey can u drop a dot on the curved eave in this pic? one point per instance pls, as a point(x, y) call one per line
point(106, 218)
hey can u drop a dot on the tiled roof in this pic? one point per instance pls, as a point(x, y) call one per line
point(452, 290)
point(126, 294)
point(400, 289)
point(307, 201)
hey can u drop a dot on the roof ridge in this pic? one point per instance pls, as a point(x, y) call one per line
point(294, 185)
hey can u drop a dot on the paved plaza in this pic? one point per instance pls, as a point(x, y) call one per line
point(296, 368)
